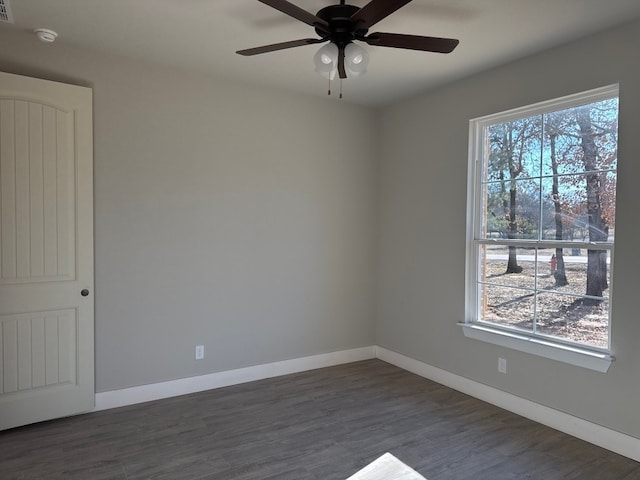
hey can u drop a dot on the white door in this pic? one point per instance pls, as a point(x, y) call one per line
point(46, 250)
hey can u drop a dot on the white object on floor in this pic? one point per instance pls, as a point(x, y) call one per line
point(387, 467)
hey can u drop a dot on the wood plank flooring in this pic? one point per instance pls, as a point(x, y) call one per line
point(324, 424)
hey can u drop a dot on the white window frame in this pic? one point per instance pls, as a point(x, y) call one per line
point(575, 354)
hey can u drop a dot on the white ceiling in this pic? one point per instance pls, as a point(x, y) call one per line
point(204, 34)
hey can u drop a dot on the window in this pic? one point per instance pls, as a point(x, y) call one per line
point(541, 227)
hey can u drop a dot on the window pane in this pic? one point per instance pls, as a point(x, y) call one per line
point(566, 211)
point(565, 131)
point(512, 209)
point(567, 271)
point(514, 149)
point(497, 260)
point(507, 306)
point(573, 318)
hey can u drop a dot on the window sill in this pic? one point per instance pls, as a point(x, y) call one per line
point(590, 359)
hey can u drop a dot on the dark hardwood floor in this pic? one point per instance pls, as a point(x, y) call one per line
point(324, 424)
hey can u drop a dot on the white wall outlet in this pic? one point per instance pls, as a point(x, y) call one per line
point(199, 352)
point(502, 365)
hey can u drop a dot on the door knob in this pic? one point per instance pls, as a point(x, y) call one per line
point(84, 292)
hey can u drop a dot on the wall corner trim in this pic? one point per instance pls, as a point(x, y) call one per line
point(612, 440)
point(184, 386)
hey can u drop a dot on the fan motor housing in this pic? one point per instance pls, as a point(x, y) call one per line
point(342, 29)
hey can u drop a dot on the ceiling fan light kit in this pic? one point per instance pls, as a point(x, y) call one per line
point(356, 60)
point(341, 25)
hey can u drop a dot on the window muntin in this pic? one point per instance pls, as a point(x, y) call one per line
point(543, 219)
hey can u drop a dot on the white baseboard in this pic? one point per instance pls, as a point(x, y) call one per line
point(577, 427)
point(590, 432)
point(183, 386)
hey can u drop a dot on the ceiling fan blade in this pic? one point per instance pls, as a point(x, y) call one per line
point(412, 42)
point(342, 72)
point(297, 13)
point(280, 46)
point(376, 10)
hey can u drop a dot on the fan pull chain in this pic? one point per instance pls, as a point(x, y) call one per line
point(329, 88)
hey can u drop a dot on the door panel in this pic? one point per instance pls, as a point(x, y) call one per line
point(37, 219)
point(38, 350)
point(46, 250)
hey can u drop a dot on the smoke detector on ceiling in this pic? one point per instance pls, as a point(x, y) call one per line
point(46, 35)
point(5, 12)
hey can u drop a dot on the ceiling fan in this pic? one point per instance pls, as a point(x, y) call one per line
point(340, 25)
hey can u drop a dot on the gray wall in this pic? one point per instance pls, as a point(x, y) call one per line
point(225, 215)
point(423, 175)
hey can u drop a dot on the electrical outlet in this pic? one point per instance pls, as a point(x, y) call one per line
point(502, 365)
point(199, 352)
